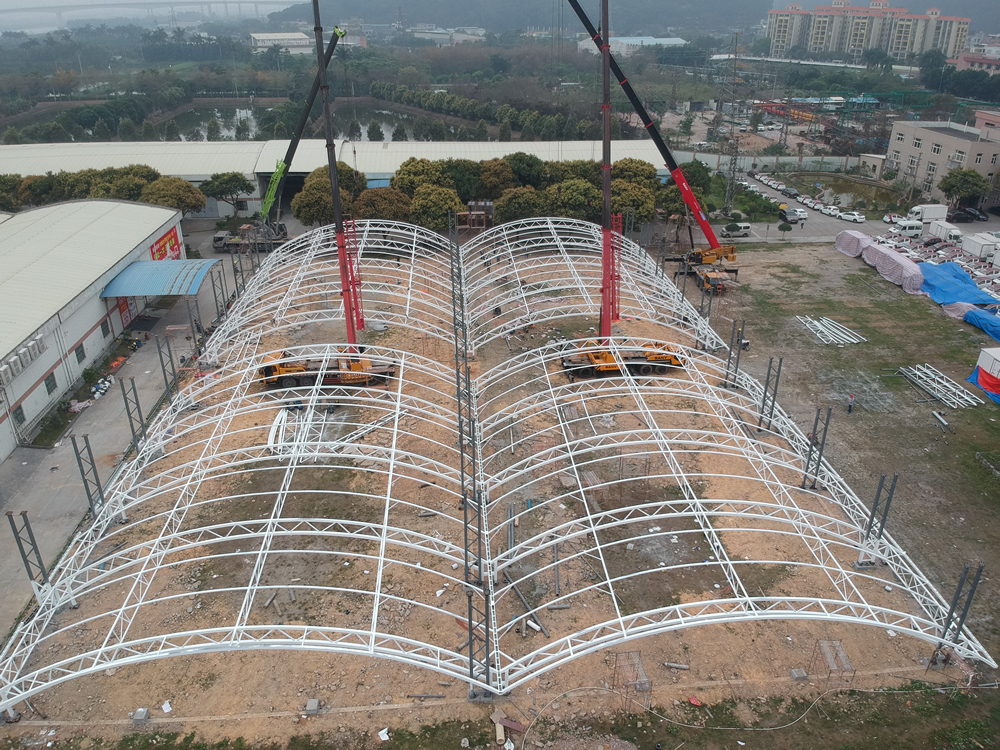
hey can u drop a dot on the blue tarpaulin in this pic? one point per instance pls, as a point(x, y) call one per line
point(950, 283)
point(986, 320)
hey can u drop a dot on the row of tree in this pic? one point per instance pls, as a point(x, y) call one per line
point(531, 123)
point(136, 182)
point(520, 185)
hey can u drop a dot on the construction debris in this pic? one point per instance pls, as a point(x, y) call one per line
point(830, 331)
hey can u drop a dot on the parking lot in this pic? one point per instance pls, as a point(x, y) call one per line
point(819, 227)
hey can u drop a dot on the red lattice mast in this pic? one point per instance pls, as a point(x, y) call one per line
point(353, 268)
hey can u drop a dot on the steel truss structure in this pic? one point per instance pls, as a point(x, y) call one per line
point(351, 498)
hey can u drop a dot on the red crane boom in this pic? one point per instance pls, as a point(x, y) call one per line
point(668, 158)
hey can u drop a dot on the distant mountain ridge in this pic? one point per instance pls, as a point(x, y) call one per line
point(635, 17)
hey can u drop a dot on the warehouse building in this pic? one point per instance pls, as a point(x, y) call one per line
point(55, 261)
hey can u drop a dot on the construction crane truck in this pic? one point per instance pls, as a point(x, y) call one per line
point(648, 359)
point(597, 357)
point(347, 369)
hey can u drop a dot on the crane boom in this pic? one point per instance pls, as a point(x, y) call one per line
point(668, 158)
point(277, 181)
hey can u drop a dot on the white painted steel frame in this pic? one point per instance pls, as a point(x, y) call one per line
point(401, 435)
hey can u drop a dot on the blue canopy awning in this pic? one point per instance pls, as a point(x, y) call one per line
point(158, 278)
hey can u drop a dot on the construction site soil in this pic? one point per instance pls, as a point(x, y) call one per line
point(944, 513)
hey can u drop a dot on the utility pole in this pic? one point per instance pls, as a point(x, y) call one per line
point(734, 131)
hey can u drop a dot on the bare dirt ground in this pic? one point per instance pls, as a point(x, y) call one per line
point(943, 513)
point(945, 506)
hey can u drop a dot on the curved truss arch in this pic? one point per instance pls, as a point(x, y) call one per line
point(350, 496)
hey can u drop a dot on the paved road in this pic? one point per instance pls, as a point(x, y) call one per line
point(46, 481)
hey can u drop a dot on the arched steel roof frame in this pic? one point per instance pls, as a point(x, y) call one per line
point(400, 438)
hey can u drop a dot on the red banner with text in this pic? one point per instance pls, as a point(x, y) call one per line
point(168, 247)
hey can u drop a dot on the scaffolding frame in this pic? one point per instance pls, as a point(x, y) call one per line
point(178, 503)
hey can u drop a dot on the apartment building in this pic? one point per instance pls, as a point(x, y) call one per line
point(924, 152)
point(850, 30)
point(972, 61)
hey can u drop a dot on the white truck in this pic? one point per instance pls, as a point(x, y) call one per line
point(981, 245)
point(947, 232)
point(928, 212)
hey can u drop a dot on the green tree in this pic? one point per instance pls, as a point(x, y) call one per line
point(495, 176)
point(213, 131)
point(774, 149)
point(504, 135)
point(698, 175)
point(527, 132)
point(520, 203)
point(932, 65)
point(481, 133)
point(149, 132)
point(960, 184)
point(732, 228)
point(438, 131)
point(642, 173)
point(354, 131)
point(415, 172)
point(127, 188)
point(170, 131)
point(280, 130)
point(174, 192)
point(575, 199)
point(784, 228)
point(101, 131)
point(528, 169)
point(314, 204)
point(673, 202)
point(127, 130)
point(686, 122)
point(383, 203)
point(431, 206)
point(11, 136)
point(761, 47)
point(464, 173)
point(756, 120)
point(227, 187)
point(9, 185)
point(375, 131)
point(195, 135)
point(399, 133)
point(242, 131)
point(626, 195)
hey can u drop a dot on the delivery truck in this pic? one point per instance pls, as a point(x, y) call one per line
point(928, 212)
point(947, 232)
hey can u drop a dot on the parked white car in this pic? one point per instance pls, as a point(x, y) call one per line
point(801, 198)
point(855, 216)
point(830, 211)
point(893, 218)
point(811, 203)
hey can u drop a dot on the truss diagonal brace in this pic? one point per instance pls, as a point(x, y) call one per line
point(30, 554)
point(88, 472)
point(951, 623)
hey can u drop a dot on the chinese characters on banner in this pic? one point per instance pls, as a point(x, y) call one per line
point(128, 309)
point(168, 247)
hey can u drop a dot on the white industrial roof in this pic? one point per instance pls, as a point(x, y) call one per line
point(50, 255)
point(193, 160)
point(380, 158)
